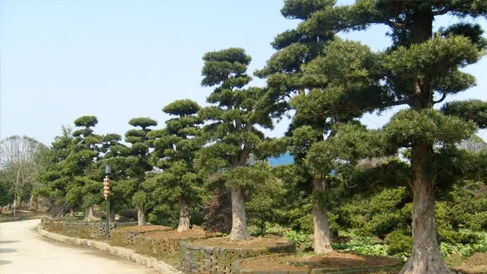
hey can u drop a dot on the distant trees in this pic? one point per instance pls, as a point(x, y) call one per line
point(20, 162)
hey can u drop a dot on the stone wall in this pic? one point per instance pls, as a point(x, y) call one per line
point(158, 246)
point(216, 260)
point(80, 229)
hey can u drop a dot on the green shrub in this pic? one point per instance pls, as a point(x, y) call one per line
point(363, 245)
point(461, 237)
point(299, 238)
point(399, 244)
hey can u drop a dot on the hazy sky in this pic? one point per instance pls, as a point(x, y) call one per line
point(123, 59)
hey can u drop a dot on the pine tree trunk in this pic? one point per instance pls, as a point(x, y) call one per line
point(15, 203)
point(89, 213)
point(426, 255)
point(31, 201)
point(183, 215)
point(239, 221)
point(141, 215)
point(322, 241)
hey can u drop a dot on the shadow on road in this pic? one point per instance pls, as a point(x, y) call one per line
point(3, 262)
point(7, 250)
point(8, 242)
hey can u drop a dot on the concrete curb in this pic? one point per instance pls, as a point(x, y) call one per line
point(128, 254)
point(15, 219)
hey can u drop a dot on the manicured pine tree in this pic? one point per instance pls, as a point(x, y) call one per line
point(418, 65)
point(52, 177)
point(137, 164)
point(231, 128)
point(83, 160)
point(174, 151)
point(114, 153)
point(289, 89)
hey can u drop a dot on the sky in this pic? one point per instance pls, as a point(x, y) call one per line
point(117, 60)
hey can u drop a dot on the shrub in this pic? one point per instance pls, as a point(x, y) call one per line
point(399, 244)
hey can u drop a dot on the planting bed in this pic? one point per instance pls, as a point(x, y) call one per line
point(216, 255)
point(333, 262)
point(477, 263)
point(125, 236)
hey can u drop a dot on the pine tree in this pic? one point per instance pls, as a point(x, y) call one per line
point(137, 163)
point(174, 151)
point(418, 65)
point(231, 127)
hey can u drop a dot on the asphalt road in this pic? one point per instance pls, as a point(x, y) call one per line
point(23, 251)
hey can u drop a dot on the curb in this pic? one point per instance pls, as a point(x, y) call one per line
point(15, 219)
point(128, 254)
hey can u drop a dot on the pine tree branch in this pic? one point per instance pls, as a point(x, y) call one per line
point(395, 103)
point(441, 100)
point(393, 24)
point(440, 12)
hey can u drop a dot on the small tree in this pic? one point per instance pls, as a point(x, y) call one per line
point(138, 164)
point(231, 127)
point(54, 178)
point(83, 164)
point(114, 153)
point(174, 153)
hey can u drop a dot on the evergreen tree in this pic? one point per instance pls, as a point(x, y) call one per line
point(317, 117)
point(231, 128)
point(174, 152)
point(83, 166)
point(114, 153)
point(417, 66)
point(137, 163)
point(52, 177)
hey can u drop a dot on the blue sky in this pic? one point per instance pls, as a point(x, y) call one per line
point(123, 59)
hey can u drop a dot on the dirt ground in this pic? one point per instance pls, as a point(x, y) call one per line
point(257, 242)
point(475, 264)
point(333, 260)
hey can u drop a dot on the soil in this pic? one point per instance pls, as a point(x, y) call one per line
point(145, 228)
point(334, 260)
point(477, 263)
point(268, 241)
point(195, 232)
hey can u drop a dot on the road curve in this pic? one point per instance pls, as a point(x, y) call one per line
point(23, 251)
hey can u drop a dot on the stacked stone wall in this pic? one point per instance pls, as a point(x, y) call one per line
point(218, 260)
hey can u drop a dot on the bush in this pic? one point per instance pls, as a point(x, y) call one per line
point(399, 244)
point(454, 237)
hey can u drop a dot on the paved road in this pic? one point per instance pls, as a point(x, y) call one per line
point(23, 251)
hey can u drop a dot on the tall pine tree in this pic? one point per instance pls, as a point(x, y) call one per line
point(231, 127)
point(418, 66)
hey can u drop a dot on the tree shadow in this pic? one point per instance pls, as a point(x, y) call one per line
point(7, 250)
point(8, 242)
point(3, 262)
